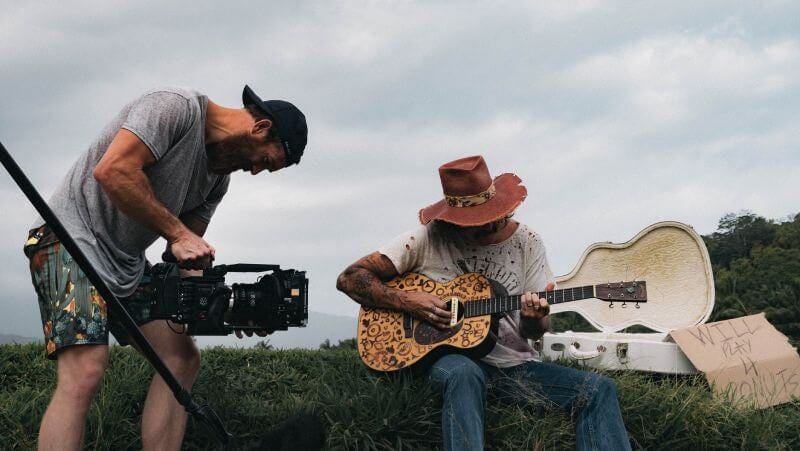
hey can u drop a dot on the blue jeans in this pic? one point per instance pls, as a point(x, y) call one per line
point(463, 382)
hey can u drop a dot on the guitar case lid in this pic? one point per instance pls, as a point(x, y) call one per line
point(673, 261)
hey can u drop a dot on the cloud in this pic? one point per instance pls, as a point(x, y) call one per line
point(683, 79)
point(614, 117)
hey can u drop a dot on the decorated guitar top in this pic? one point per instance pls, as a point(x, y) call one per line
point(390, 340)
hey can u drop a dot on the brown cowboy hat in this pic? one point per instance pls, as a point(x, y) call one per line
point(471, 197)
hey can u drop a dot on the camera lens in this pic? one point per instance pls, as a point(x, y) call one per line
point(255, 302)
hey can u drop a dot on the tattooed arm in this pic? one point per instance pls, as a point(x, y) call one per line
point(364, 281)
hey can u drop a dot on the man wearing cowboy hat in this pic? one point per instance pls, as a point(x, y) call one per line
point(471, 230)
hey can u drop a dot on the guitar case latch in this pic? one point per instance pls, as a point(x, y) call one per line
point(622, 352)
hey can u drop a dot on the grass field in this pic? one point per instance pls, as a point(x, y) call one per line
point(253, 389)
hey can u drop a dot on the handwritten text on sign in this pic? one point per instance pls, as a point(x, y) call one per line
point(746, 358)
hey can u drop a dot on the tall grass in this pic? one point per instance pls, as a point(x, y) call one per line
point(254, 389)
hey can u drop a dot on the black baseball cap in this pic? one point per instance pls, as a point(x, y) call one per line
point(289, 122)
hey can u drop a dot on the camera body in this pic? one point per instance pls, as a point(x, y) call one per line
point(207, 306)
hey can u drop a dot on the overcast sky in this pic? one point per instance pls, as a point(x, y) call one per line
point(616, 115)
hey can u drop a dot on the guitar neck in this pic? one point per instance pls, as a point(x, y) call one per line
point(504, 304)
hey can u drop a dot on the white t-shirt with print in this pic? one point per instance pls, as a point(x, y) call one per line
point(516, 265)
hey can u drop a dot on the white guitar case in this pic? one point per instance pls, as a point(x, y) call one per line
point(672, 260)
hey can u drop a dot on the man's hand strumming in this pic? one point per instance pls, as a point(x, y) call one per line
point(427, 307)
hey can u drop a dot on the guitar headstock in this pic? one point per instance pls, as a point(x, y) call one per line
point(622, 291)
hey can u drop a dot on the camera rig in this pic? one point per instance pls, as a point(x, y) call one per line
point(207, 306)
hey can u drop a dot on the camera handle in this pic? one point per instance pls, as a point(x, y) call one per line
point(204, 413)
point(168, 257)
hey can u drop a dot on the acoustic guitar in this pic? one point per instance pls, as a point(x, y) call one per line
point(390, 340)
point(670, 256)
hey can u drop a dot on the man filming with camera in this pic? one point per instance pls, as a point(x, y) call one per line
point(158, 169)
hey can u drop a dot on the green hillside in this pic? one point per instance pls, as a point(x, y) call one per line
point(253, 389)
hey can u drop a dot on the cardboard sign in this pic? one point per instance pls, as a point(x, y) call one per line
point(744, 358)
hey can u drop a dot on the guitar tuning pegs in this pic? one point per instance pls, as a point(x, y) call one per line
point(611, 304)
point(637, 305)
point(624, 304)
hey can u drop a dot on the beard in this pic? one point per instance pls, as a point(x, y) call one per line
point(229, 155)
point(479, 233)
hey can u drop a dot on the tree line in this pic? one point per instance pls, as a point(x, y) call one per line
point(756, 264)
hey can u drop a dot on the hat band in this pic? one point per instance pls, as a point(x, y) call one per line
point(471, 201)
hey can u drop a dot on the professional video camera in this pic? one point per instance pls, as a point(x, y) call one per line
point(276, 301)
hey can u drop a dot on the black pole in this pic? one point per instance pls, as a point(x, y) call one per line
point(204, 413)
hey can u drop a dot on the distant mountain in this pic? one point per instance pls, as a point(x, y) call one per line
point(321, 326)
point(18, 339)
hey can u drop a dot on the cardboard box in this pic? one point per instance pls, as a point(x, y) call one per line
point(745, 359)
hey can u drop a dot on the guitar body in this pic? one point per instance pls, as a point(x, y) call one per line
point(389, 340)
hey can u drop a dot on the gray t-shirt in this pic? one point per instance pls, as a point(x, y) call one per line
point(516, 265)
point(171, 122)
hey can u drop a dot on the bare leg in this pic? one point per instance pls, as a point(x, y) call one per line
point(80, 371)
point(163, 418)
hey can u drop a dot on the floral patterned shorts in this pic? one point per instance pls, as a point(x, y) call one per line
point(73, 313)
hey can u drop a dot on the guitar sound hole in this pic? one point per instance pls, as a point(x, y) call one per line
point(426, 334)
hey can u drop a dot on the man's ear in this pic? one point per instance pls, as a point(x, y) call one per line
point(261, 128)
